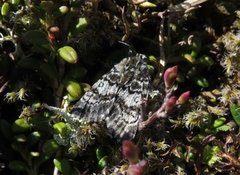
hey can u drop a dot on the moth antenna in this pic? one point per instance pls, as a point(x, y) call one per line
point(70, 118)
point(131, 50)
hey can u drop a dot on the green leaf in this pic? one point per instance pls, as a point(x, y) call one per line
point(200, 81)
point(4, 63)
point(60, 128)
point(100, 153)
point(50, 147)
point(235, 111)
point(78, 26)
point(5, 129)
point(29, 63)
point(17, 147)
point(35, 37)
point(66, 167)
point(103, 162)
point(223, 128)
point(219, 122)
point(76, 72)
point(209, 155)
point(17, 166)
point(57, 163)
point(20, 138)
point(63, 166)
point(213, 159)
point(42, 158)
point(33, 138)
point(20, 126)
point(49, 70)
point(41, 123)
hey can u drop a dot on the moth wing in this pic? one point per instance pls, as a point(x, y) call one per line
point(116, 98)
point(126, 111)
point(96, 103)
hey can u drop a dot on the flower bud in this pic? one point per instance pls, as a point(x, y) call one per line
point(183, 97)
point(53, 29)
point(170, 76)
point(137, 169)
point(130, 151)
point(171, 103)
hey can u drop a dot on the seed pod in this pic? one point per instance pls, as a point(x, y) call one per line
point(5, 9)
point(73, 87)
point(68, 54)
point(71, 98)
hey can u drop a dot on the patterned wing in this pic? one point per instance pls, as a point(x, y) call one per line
point(116, 98)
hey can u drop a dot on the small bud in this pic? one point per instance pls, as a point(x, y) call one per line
point(130, 151)
point(171, 103)
point(137, 169)
point(183, 98)
point(170, 76)
point(51, 36)
point(53, 29)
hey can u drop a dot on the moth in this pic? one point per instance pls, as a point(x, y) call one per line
point(117, 98)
